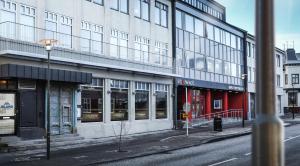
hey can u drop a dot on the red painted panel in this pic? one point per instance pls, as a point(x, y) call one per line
point(208, 102)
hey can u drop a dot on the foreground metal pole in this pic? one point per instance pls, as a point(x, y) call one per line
point(48, 107)
point(267, 145)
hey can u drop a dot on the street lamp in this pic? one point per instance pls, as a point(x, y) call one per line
point(244, 78)
point(48, 43)
point(294, 98)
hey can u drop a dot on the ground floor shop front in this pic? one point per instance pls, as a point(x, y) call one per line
point(23, 100)
point(206, 101)
point(136, 103)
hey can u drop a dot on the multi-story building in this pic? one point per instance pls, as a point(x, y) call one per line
point(210, 59)
point(112, 63)
point(291, 82)
point(251, 76)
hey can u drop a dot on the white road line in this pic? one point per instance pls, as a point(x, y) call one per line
point(247, 154)
point(222, 162)
point(290, 138)
point(162, 140)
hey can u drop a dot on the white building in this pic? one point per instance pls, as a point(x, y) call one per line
point(291, 83)
point(251, 70)
point(121, 47)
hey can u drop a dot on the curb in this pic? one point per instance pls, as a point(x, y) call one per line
point(210, 140)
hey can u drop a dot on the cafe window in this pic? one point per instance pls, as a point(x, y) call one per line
point(92, 101)
point(142, 100)
point(119, 100)
point(292, 98)
point(161, 106)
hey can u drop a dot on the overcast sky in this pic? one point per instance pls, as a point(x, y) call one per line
point(287, 19)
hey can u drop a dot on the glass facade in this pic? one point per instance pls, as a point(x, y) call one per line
point(207, 52)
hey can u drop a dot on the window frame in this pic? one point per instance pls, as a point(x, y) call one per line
point(160, 6)
point(119, 7)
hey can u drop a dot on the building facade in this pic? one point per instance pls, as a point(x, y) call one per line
point(112, 64)
point(210, 60)
point(279, 57)
point(291, 82)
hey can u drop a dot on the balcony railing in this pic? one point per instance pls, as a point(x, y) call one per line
point(84, 49)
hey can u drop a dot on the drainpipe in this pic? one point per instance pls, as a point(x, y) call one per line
point(174, 94)
point(267, 137)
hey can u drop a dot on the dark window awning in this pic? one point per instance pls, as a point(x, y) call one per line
point(38, 73)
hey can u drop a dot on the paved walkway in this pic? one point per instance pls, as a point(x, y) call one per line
point(132, 146)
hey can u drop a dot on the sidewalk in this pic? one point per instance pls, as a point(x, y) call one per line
point(132, 146)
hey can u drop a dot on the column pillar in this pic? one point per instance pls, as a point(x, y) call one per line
point(225, 101)
point(208, 102)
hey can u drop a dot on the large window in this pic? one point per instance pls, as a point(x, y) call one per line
point(92, 101)
point(178, 19)
point(27, 21)
point(161, 14)
point(91, 38)
point(278, 60)
point(278, 80)
point(119, 100)
point(292, 98)
point(141, 49)
point(119, 44)
point(65, 37)
point(295, 78)
point(120, 5)
point(142, 91)
point(210, 64)
point(59, 27)
point(161, 53)
point(8, 15)
point(142, 9)
point(161, 105)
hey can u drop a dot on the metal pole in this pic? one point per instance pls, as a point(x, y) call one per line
point(186, 111)
point(294, 100)
point(267, 145)
point(48, 107)
point(243, 118)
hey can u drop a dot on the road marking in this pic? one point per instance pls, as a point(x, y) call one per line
point(162, 140)
point(290, 138)
point(247, 154)
point(222, 162)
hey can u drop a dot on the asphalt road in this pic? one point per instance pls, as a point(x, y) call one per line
point(231, 152)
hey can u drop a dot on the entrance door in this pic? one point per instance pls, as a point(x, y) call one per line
point(28, 109)
point(7, 114)
point(66, 102)
point(61, 110)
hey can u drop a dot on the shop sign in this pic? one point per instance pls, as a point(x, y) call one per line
point(237, 88)
point(186, 82)
point(7, 104)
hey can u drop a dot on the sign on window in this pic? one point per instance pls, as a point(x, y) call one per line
point(7, 104)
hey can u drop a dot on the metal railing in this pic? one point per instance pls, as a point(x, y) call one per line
point(231, 115)
point(96, 47)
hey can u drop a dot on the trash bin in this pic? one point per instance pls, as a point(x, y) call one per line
point(218, 124)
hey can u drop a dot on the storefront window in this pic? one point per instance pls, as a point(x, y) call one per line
point(292, 98)
point(142, 100)
point(119, 100)
point(92, 101)
point(161, 101)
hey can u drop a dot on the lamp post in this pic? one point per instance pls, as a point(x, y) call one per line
point(48, 43)
point(294, 99)
point(244, 78)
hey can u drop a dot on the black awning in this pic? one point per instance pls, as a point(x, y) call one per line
point(38, 73)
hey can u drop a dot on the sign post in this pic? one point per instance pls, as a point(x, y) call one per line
point(186, 112)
